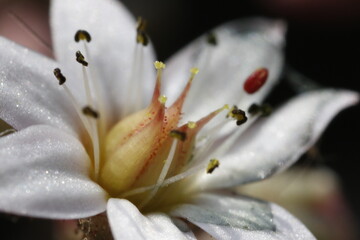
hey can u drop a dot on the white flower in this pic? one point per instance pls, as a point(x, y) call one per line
point(63, 163)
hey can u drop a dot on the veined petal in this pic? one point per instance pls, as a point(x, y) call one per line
point(30, 93)
point(235, 217)
point(111, 50)
point(276, 142)
point(127, 222)
point(241, 48)
point(45, 173)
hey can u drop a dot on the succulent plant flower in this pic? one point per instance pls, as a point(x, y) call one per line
point(105, 127)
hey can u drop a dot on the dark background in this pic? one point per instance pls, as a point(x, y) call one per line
point(322, 44)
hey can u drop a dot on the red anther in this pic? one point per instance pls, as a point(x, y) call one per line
point(256, 80)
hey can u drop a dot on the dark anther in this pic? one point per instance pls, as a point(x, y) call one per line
point(141, 36)
point(238, 115)
point(82, 35)
point(264, 110)
point(90, 112)
point(213, 164)
point(254, 109)
point(59, 76)
point(81, 59)
point(242, 121)
point(178, 134)
point(211, 39)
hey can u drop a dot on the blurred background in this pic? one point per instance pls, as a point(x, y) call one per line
point(323, 49)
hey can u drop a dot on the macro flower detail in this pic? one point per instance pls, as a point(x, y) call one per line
point(95, 133)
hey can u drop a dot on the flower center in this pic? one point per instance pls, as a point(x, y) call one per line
point(147, 150)
point(148, 147)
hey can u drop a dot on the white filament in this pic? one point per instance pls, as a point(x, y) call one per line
point(77, 107)
point(230, 140)
point(203, 63)
point(134, 92)
point(162, 175)
point(167, 181)
point(93, 124)
point(96, 87)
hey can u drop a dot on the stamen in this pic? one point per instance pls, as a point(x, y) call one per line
point(177, 105)
point(213, 164)
point(191, 125)
point(254, 109)
point(159, 65)
point(237, 114)
point(94, 131)
point(264, 110)
point(165, 183)
point(82, 35)
point(191, 132)
point(193, 72)
point(141, 36)
point(85, 37)
point(203, 62)
point(81, 59)
point(74, 102)
point(256, 80)
point(162, 99)
point(86, 83)
point(211, 39)
point(134, 91)
point(205, 120)
point(88, 111)
point(178, 135)
point(231, 139)
point(59, 76)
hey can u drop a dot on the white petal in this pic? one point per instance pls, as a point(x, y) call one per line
point(111, 50)
point(45, 173)
point(127, 222)
point(278, 141)
point(29, 91)
point(243, 46)
point(234, 217)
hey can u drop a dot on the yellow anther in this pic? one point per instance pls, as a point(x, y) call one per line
point(191, 124)
point(214, 163)
point(162, 99)
point(159, 65)
point(226, 106)
point(194, 71)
